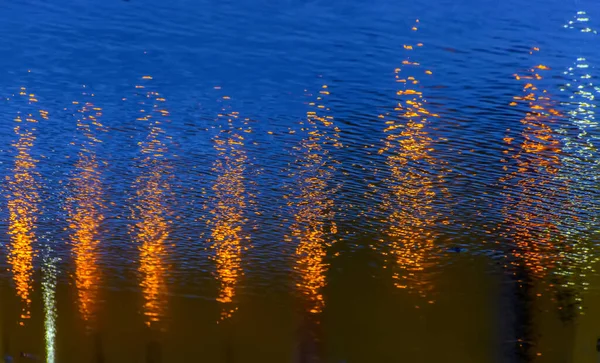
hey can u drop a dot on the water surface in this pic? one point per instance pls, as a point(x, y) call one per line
point(299, 181)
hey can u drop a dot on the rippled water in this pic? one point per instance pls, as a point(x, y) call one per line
point(299, 181)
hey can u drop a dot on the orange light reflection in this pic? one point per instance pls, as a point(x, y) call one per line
point(314, 219)
point(411, 215)
point(151, 232)
point(532, 189)
point(230, 196)
point(23, 199)
point(85, 211)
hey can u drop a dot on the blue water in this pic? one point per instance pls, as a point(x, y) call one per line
point(206, 158)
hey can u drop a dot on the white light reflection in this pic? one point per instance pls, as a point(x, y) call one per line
point(582, 167)
point(49, 276)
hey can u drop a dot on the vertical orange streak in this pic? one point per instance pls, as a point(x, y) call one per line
point(23, 202)
point(410, 203)
point(531, 201)
point(151, 232)
point(228, 220)
point(313, 221)
point(85, 212)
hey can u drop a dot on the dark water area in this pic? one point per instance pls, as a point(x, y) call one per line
point(291, 181)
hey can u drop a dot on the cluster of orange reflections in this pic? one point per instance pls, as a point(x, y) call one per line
point(313, 221)
point(230, 196)
point(85, 210)
point(152, 188)
point(532, 223)
point(23, 201)
point(411, 214)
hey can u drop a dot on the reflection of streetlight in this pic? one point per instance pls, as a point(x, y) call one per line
point(532, 212)
point(415, 178)
point(23, 199)
point(228, 213)
point(533, 205)
point(84, 207)
point(151, 232)
point(313, 229)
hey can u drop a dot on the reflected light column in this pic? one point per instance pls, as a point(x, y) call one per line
point(533, 206)
point(312, 200)
point(230, 200)
point(84, 207)
point(533, 189)
point(151, 232)
point(414, 180)
point(23, 199)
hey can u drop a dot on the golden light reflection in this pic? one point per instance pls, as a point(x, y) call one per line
point(314, 225)
point(230, 200)
point(532, 189)
point(23, 199)
point(414, 182)
point(151, 231)
point(84, 207)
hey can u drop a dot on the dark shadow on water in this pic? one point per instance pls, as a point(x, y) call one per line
point(228, 350)
point(98, 349)
point(6, 347)
point(524, 330)
point(153, 352)
point(309, 348)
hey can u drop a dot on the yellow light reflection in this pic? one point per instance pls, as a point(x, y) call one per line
point(314, 224)
point(533, 189)
point(413, 182)
point(84, 207)
point(23, 199)
point(230, 200)
point(151, 232)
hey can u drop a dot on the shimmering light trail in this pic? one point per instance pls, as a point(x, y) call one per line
point(416, 178)
point(151, 232)
point(23, 199)
point(314, 224)
point(230, 199)
point(85, 205)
